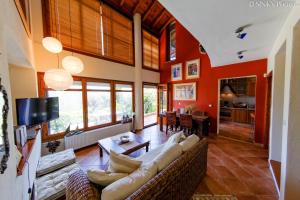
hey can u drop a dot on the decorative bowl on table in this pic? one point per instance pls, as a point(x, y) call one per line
point(124, 139)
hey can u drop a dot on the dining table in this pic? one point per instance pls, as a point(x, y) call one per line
point(200, 122)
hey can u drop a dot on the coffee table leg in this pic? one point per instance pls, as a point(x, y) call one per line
point(147, 148)
point(101, 151)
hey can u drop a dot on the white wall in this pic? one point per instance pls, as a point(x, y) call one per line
point(290, 160)
point(277, 106)
point(15, 48)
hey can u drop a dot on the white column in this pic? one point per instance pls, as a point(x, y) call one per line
point(138, 71)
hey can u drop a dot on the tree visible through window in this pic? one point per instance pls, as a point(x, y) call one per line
point(124, 105)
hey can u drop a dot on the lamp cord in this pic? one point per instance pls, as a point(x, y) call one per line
point(71, 26)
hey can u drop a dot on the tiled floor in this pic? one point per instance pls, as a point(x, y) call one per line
point(239, 131)
point(234, 168)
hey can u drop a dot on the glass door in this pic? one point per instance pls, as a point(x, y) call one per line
point(150, 97)
point(162, 98)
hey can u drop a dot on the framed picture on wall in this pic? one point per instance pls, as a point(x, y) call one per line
point(185, 91)
point(192, 69)
point(176, 72)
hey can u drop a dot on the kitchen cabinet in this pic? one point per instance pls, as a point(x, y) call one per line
point(240, 115)
point(251, 87)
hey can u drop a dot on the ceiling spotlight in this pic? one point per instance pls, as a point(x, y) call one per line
point(241, 35)
point(241, 56)
point(241, 52)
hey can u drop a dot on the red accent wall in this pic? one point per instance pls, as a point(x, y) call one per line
point(187, 48)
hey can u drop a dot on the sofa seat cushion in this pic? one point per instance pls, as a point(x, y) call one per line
point(102, 177)
point(150, 155)
point(53, 186)
point(52, 162)
point(120, 163)
point(124, 187)
point(189, 142)
point(166, 157)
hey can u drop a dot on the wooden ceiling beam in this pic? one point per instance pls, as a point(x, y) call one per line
point(122, 2)
point(158, 17)
point(166, 24)
point(137, 6)
point(149, 9)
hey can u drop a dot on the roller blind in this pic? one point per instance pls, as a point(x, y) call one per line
point(94, 28)
point(150, 50)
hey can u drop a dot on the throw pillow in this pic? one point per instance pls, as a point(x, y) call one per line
point(124, 187)
point(189, 142)
point(120, 163)
point(103, 178)
point(166, 157)
point(174, 139)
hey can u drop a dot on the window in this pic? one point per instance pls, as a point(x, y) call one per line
point(88, 104)
point(95, 29)
point(99, 103)
point(70, 109)
point(124, 100)
point(171, 40)
point(150, 51)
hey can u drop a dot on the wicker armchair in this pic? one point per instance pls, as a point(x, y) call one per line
point(186, 123)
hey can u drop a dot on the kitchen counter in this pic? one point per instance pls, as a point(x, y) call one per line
point(240, 115)
point(234, 108)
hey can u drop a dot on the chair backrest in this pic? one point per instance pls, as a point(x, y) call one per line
point(186, 121)
point(171, 118)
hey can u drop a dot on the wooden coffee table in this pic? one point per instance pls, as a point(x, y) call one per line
point(113, 143)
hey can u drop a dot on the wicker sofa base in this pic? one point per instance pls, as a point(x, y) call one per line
point(178, 181)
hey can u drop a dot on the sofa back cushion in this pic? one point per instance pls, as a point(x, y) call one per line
point(189, 142)
point(120, 163)
point(166, 157)
point(122, 188)
point(103, 178)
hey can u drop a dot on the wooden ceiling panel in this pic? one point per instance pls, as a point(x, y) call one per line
point(154, 15)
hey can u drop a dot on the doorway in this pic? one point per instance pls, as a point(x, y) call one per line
point(237, 108)
point(150, 108)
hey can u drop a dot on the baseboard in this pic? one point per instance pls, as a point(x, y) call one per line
point(274, 176)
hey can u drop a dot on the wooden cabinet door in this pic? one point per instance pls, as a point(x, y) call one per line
point(240, 115)
point(251, 86)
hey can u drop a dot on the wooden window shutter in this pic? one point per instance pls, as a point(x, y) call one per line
point(94, 29)
point(150, 51)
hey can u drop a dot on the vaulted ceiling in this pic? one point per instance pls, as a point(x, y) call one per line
point(214, 22)
point(154, 16)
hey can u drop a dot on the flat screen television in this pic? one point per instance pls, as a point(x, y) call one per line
point(34, 111)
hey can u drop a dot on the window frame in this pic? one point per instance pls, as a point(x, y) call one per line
point(168, 42)
point(115, 99)
point(153, 35)
point(42, 92)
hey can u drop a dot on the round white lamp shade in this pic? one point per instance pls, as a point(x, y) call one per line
point(52, 44)
point(72, 64)
point(58, 79)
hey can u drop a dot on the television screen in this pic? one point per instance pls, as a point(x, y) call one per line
point(33, 111)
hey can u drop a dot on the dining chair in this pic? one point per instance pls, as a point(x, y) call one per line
point(186, 123)
point(171, 122)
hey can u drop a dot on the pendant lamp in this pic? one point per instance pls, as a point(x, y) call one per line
point(72, 64)
point(58, 79)
point(52, 44)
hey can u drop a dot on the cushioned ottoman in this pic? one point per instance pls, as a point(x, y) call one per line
point(52, 162)
point(53, 186)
